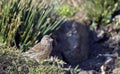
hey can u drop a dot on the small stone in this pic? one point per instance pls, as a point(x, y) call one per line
point(116, 71)
point(88, 72)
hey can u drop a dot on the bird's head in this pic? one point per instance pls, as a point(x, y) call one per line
point(46, 40)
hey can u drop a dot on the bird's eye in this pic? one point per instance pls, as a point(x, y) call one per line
point(47, 39)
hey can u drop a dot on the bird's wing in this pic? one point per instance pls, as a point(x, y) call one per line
point(38, 47)
point(29, 53)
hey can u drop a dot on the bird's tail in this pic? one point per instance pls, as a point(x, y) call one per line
point(29, 54)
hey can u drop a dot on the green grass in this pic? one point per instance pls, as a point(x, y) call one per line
point(12, 63)
point(100, 12)
point(26, 20)
point(1, 38)
point(65, 10)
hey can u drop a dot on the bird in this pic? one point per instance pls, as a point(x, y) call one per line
point(41, 50)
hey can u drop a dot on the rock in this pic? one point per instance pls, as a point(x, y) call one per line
point(108, 66)
point(117, 19)
point(116, 71)
point(93, 63)
point(88, 72)
point(73, 42)
point(113, 41)
point(100, 36)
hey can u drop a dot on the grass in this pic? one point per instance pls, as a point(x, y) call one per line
point(24, 23)
point(12, 63)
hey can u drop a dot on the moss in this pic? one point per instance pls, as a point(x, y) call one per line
point(12, 63)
